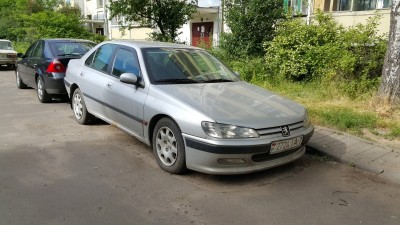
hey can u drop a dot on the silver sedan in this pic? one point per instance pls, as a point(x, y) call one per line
point(192, 110)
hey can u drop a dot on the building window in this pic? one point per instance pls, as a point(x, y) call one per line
point(344, 5)
point(362, 5)
point(386, 3)
point(298, 7)
point(99, 3)
point(358, 5)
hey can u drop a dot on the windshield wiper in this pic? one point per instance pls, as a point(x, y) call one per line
point(217, 81)
point(175, 81)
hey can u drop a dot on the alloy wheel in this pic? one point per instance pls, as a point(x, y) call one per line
point(166, 146)
point(77, 106)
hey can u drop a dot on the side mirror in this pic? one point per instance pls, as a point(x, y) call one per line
point(20, 55)
point(129, 78)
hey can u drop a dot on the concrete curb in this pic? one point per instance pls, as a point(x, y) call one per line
point(361, 153)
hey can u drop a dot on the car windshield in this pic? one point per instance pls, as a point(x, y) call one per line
point(5, 45)
point(179, 65)
point(71, 48)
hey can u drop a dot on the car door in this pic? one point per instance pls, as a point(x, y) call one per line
point(93, 79)
point(124, 102)
point(32, 64)
point(23, 64)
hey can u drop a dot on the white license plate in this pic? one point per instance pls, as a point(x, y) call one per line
point(281, 146)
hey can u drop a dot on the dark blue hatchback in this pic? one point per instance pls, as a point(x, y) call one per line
point(44, 64)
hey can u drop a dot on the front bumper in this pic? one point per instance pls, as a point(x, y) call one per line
point(205, 155)
point(8, 61)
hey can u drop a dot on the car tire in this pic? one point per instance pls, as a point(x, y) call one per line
point(168, 146)
point(42, 94)
point(20, 83)
point(81, 114)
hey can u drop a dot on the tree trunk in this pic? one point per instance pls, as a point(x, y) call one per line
point(390, 84)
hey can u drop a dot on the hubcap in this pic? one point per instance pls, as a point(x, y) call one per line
point(166, 146)
point(40, 88)
point(78, 108)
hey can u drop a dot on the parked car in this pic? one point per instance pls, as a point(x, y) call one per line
point(194, 111)
point(44, 64)
point(8, 57)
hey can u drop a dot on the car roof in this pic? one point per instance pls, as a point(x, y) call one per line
point(5, 40)
point(50, 40)
point(151, 44)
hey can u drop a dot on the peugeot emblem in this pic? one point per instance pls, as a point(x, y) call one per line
point(285, 131)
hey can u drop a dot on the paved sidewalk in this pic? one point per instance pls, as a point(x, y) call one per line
point(364, 154)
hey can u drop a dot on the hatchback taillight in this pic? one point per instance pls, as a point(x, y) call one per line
point(56, 67)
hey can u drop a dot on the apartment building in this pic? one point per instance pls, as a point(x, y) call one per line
point(346, 12)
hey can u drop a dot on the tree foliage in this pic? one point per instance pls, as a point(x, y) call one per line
point(166, 15)
point(252, 23)
point(29, 20)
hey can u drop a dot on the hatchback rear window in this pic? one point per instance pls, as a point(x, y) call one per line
point(71, 48)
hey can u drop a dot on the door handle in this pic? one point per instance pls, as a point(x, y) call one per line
point(81, 74)
point(109, 85)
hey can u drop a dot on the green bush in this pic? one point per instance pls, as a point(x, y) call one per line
point(325, 51)
point(251, 23)
point(249, 69)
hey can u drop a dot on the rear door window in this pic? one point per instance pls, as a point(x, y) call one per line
point(102, 58)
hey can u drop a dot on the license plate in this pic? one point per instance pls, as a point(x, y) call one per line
point(281, 146)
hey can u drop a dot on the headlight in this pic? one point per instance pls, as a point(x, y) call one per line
point(227, 131)
point(306, 121)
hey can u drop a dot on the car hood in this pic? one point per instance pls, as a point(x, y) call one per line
point(238, 103)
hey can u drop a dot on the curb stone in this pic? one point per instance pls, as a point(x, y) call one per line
point(367, 155)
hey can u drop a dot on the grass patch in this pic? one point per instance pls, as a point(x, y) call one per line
point(394, 132)
point(330, 106)
point(346, 119)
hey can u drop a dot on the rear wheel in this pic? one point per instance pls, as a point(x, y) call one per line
point(80, 112)
point(168, 146)
point(20, 83)
point(43, 96)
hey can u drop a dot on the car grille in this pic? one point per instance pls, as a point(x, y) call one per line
point(278, 130)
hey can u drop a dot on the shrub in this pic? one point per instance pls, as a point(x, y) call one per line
point(327, 52)
point(251, 23)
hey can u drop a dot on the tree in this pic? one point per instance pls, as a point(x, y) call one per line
point(252, 23)
point(390, 85)
point(167, 15)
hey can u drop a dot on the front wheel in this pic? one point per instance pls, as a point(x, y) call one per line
point(42, 94)
point(168, 146)
point(81, 114)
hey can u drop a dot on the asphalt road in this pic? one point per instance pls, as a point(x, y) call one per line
point(55, 171)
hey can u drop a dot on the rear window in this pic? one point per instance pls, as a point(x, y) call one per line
point(71, 48)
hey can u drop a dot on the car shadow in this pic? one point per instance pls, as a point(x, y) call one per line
point(256, 180)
